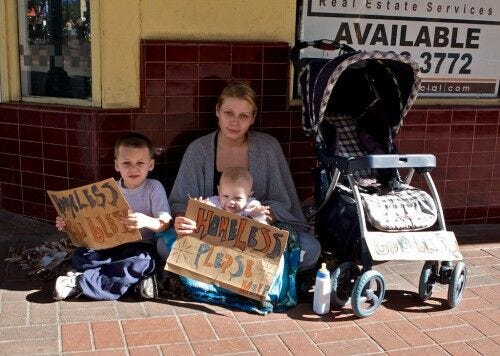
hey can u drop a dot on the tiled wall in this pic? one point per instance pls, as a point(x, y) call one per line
point(59, 147)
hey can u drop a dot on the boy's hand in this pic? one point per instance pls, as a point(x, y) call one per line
point(184, 226)
point(60, 223)
point(135, 221)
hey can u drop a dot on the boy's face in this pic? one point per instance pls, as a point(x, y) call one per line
point(233, 196)
point(133, 164)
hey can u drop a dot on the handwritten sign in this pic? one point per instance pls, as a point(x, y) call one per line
point(413, 246)
point(92, 213)
point(229, 251)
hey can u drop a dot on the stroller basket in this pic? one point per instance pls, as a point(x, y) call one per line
point(353, 107)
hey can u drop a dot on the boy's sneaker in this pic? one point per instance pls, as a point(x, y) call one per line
point(65, 287)
point(148, 287)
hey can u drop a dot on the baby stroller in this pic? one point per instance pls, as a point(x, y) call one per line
point(366, 211)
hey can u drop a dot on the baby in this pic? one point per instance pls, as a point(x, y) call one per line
point(235, 190)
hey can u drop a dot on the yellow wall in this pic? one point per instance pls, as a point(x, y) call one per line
point(269, 20)
point(119, 25)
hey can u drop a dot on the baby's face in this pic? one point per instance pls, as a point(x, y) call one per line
point(233, 196)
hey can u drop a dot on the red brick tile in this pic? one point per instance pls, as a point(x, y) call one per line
point(166, 323)
point(384, 336)
point(459, 348)
point(197, 327)
point(75, 337)
point(485, 347)
point(382, 314)
point(436, 322)
point(152, 337)
point(351, 347)
point(244, 317)
point(299, 344)
point(425, 350)
point(101, 353)
point(493, 315)
point(480, 322)
point(227, 346)
point(336, 334)
point(490, 293)
point(270, 344)
point(107, 334)
point(146, 351)
point(308, 320)
point(456, 333)
point(225, 326)
point(176, 349)
point(270, 327)
point(409, 333)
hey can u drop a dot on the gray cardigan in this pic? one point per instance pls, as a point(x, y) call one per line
point(272, 181)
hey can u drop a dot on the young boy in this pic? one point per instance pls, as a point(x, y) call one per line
point(235, 190)
point(109, 273)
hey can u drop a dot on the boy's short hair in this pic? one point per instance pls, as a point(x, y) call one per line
point(135, 140)
point(235, 174)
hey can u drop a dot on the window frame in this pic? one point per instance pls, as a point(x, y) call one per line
point(10, 75)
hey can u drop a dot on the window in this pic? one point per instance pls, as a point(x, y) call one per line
point(54, 48)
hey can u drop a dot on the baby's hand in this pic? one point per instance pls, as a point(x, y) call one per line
point(60, 223)
point(255, 211)
point(206, 201)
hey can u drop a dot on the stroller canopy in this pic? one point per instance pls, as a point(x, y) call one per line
point(360, 85)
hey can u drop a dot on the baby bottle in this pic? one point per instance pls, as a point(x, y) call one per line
point(322, 289)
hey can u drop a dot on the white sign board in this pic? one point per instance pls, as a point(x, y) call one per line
point(455, 42)
point(413, 246)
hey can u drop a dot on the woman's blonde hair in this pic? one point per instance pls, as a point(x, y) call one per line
point(238, 90)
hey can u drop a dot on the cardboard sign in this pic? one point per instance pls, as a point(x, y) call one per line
point(413, 246)
point(92, 213)
point(229, 251)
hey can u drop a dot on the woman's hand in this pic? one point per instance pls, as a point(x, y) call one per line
point(60, 223)
point(184, 226)
point(270, 218)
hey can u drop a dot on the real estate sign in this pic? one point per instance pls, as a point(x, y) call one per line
point(455, 42)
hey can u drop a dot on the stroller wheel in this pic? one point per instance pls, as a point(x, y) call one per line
point(368, 293)
point(343, 278)
point(457, 284)
point(428, 278)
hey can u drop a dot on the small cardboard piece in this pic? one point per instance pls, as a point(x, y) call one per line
point(92, 213)
point(229, 251)
point(413, 246)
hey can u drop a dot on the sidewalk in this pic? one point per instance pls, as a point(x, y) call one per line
point(32, 323)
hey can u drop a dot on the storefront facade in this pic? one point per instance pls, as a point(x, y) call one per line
point(157, 67)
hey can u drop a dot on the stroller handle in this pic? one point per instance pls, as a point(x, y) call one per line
point(324, 44)
point(420, 162)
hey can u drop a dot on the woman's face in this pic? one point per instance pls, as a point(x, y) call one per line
point(235, 117)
